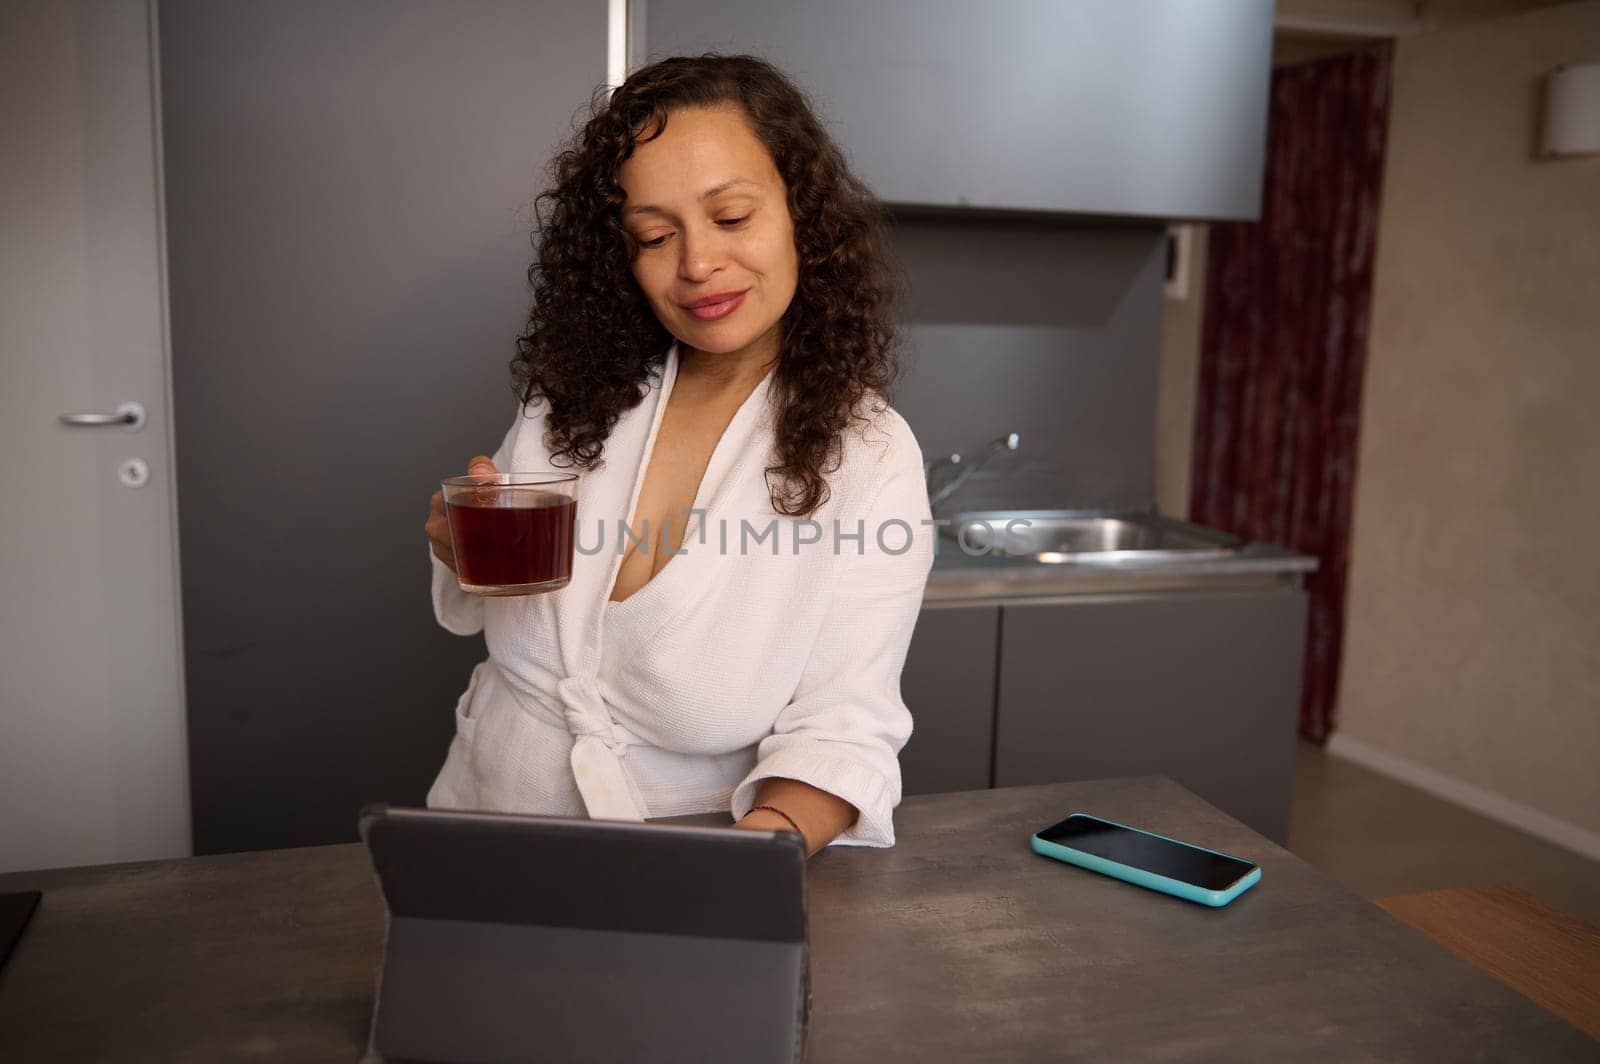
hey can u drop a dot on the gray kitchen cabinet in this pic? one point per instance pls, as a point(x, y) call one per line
point(1202, 687)
point(1154, 109)
point(948, 683)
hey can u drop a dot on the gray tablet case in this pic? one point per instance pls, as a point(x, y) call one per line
point(515, 938)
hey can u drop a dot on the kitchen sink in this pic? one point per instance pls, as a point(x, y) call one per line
point(1087, 537)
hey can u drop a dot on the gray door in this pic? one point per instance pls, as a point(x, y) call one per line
point(91, 704)
point(349, 189)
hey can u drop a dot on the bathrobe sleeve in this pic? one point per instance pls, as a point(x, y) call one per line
point(454, 609)
point(844, 729)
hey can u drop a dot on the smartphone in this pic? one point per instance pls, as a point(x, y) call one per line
point(1146, 860)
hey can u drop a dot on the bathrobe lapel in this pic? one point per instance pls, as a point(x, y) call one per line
point(732, 487)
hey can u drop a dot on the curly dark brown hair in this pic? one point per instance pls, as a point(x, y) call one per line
point(592, 339)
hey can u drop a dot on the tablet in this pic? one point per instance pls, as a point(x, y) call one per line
point(563, 939)
point(15, 912)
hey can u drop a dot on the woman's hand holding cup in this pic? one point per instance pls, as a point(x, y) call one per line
point(438, 526)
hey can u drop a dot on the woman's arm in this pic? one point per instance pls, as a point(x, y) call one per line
point(819, 815)
point(834, 748)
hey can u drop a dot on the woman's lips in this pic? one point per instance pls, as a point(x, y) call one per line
point(718, 306)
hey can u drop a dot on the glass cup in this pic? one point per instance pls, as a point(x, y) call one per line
point(512, 532)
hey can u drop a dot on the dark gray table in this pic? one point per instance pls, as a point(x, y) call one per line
point(957, 945)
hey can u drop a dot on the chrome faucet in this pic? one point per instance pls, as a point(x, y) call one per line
point(1009, 442)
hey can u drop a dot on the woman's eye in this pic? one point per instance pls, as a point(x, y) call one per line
point(731, 222)
point(652, 243)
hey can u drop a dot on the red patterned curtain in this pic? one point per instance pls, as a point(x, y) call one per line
point(1285, 341)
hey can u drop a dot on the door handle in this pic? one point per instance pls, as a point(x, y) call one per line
point(129, 415)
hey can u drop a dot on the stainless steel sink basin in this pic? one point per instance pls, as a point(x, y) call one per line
point(1087, 537)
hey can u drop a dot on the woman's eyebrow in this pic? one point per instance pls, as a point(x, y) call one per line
point(726, 185)
point(715, 190)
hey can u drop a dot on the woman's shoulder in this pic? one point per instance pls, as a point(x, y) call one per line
point(525, 439)
point(878, 443)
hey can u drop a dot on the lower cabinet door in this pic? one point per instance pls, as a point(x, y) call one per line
point(1201, 687)
point(948, 684)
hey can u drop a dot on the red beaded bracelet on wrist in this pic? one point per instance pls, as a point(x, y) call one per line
point(780, 812)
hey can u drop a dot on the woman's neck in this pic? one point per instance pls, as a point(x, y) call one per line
point(733, 376)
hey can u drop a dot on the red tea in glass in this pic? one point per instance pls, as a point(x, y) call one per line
point(512, 532)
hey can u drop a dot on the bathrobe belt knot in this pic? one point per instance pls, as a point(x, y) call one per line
point(598, 744)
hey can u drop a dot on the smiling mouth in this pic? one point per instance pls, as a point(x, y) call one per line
point(718, 306)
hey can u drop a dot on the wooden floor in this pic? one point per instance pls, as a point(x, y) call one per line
point(1524, 910)
point(1379, 837)
point(1536, 949)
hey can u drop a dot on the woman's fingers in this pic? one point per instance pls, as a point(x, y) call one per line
point(438, 526)
point(438, 530)
point(481, 466)
point(444, 555)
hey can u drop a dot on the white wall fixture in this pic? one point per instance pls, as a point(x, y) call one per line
point(1571, 111)
point(1180, 264)
point(616, 43)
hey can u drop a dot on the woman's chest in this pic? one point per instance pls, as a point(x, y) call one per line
point(709, 668)
point(684, 445)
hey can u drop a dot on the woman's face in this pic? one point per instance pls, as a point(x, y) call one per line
point(708, 209)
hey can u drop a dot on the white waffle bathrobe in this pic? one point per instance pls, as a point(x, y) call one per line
point(730, 666)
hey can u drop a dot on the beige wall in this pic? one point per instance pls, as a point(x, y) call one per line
point(1473, 633)
point(1422, 14)
point(1315, 29)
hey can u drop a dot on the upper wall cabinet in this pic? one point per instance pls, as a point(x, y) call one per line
point(1152, 108)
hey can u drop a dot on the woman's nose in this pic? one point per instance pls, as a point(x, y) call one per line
point(699, 256)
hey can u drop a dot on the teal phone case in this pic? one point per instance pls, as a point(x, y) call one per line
point(1149, 880)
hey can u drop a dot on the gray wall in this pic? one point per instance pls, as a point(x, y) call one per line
point(348, 186)
point(1044, 327)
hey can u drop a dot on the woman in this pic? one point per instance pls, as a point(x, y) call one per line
point(709, 346)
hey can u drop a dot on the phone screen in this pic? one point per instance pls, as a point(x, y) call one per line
point(1163, 857)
